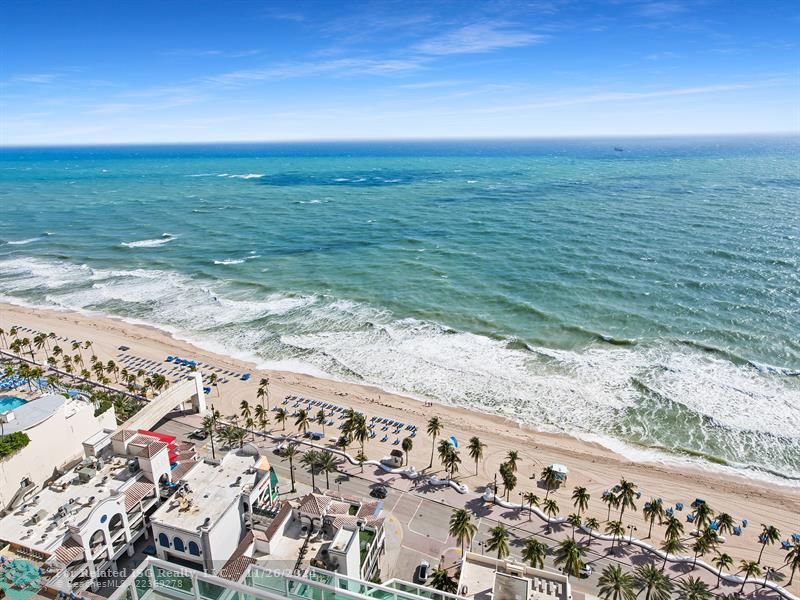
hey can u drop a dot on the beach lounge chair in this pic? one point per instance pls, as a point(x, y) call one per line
point(690, 517)
point(384, 438)
point(679, 506)
point(737, 531)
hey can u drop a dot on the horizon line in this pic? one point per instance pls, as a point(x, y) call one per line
point(601, 136)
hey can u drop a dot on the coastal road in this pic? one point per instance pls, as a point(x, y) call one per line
point(422, 513)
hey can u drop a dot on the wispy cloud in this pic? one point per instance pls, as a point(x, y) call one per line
point(422, 85)
point(187, 52)
point(40, 78)
point(478, 38)
point(337, 67)
point(632, 96)
point(666, 55)
point(661, 10)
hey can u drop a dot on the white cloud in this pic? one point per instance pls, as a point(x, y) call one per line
point(41, 78)
point(478, 38)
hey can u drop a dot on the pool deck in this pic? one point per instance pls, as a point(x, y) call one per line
point(32, 413)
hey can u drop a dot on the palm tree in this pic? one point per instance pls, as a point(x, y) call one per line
point(580, 499)
point(302, 421)
point(311, 460)
point(550, 478)
point(611, 501)
point(750, 568)
point(592, 524)
point(321, 418)
point(616, 529)
point(569, 556)
point(693, 588)
point(327, 464)
point(442, 581)
point(512, 458)
point(550, 507)
point(509, 479)
point(724, 523)
point(451, 462)
point(700, 547)
point(462, 528)
point(475, 449)
point(244, 408)
point(534, 552)
point(670, 546)
point(626, 496)
point(3, 336)
point(77, 346)
point(434, 429)
point(407, 445)
point(653, 510)
point(792, 560)
point(498, 541)
point(262, 417)
point(291, 452)
point(616, 584)
point(361, 458)
point(702, 515)
point(531, 500)
point(652, 582)
point(722, 561)
point(281, 417)
point(575, 520)
point(769, 535)
point(674, 528)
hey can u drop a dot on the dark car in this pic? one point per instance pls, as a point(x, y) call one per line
point(379, 492)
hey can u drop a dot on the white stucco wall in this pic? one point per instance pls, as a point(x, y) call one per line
point(56, 442)
point(225, 535)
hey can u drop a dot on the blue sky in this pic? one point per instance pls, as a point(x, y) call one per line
point(117, 72)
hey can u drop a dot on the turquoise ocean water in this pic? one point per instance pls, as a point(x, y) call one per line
point(649, 298)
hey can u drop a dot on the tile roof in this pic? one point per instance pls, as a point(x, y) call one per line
point(181, 470)
point(277, 522)
point(70, 551)
point(123, 435)
point(136, 492)
point(237, 564)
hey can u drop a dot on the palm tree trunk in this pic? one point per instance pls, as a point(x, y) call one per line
point(433, 447)
point(741, 590)
point(763, 547)
point(650, 531)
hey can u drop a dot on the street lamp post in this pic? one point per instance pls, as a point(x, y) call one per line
point(631, 529)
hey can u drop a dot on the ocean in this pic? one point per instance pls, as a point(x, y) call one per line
point(648, 298)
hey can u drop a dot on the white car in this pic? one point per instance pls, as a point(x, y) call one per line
point(586, 570)
point(423, 571)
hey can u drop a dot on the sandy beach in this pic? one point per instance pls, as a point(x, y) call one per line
point(591, 465)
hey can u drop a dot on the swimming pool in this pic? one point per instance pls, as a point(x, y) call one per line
point(8, 403)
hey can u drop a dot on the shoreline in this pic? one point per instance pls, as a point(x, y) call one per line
point(625, 450)
point(591, 463)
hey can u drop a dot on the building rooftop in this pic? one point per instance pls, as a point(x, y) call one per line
point(34, 412)
point(38, 525)
point(212, 487)
point(487, 577)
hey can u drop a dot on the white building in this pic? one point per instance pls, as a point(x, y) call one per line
point(211, 513)
point(86, 519)
point(56, 426)
point(487, 577)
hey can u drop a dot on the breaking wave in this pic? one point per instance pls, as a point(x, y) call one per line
point(164, 239)
point(660, 396)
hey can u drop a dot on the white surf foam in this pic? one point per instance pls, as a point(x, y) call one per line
point(22, 242)
point(164, 239)
point(587, 393)
point(247, 176)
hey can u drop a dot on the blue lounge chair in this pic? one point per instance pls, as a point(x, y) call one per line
point(679, 506)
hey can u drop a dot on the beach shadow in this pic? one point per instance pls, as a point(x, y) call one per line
point(478, 507)
point(511, 514)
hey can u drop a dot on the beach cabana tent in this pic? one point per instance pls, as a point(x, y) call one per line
point(453, 441)
point(560, 470)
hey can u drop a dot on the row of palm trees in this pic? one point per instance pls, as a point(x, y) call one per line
point(59, 359)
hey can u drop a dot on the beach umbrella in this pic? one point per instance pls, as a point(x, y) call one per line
point(454, 441)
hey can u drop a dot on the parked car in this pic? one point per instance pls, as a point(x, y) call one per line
point(199, 434)
point(585, 571)
point(379, 492)
point(423, 571)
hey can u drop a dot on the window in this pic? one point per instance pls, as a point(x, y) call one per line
point(194, 549)
point(163, 540)
point(178, 544)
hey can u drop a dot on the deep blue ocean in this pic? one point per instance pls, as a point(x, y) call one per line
point(648, 297)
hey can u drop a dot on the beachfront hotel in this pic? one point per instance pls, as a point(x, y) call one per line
point(481, 578)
